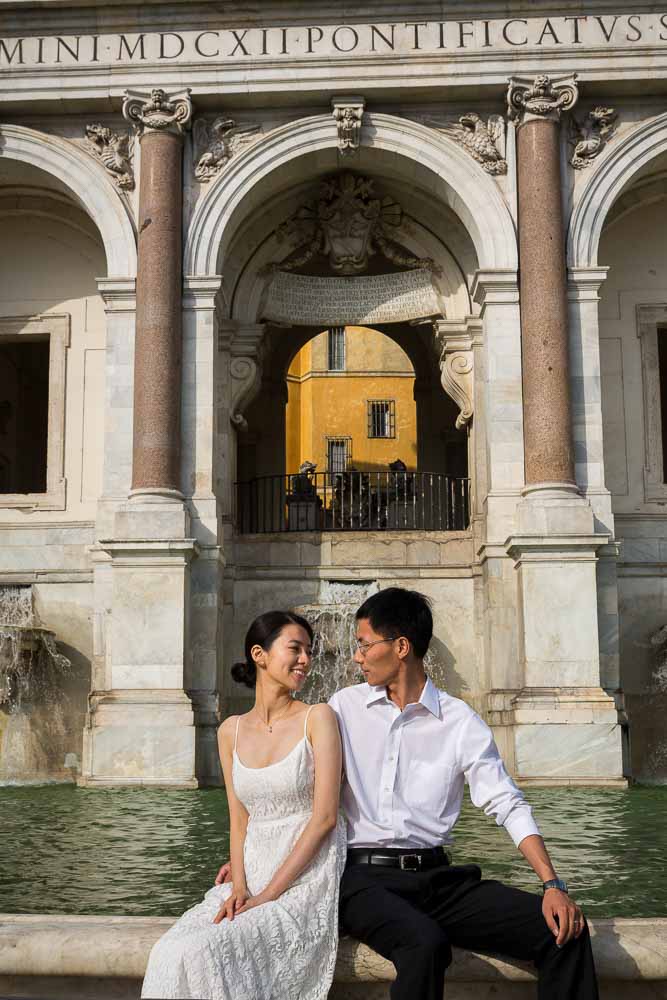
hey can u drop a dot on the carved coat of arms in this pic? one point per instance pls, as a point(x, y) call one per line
point(349, 225)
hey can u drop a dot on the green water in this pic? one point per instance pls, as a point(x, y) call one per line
point(145, 852)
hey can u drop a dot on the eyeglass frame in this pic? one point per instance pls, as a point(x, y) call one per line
point(363, 647)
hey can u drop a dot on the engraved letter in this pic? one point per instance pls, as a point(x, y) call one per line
point(463, 34)
point(355, 38)
point(198, 49)
point(62, 44)
point(171, 55)
point(516, 20)
point(376, 31)
point(607, 34)
point(139, 44)
point(239, 36)
point(416, 25)
point(632, 19)
point(575, 27)
point(548, 29)
point(9, 56)
point(311, 37)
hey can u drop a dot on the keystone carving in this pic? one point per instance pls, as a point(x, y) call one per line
point(113, 150)
point(485, 141)
point(349, 224)
point(541, 98)
point(348, 113)
point(457, 370)
point(217, 142)
point(159, 112)
point(589, 135)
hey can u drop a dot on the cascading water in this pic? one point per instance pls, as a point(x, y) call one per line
point(31, 697)
point(333, 620)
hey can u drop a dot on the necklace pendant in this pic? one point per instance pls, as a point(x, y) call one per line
point(270, 729)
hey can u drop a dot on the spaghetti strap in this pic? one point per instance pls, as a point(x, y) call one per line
point(236, 735)
point(305, 722)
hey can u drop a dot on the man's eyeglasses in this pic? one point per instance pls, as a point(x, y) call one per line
point(363, 647)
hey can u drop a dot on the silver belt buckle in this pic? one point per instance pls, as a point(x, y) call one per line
point(409, 862)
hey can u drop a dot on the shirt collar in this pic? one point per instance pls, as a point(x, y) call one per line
point(429, 697)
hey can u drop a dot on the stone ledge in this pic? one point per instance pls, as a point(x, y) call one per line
point(44, 955)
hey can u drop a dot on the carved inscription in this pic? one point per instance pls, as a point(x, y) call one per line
point(455, 36)
point(382, 298)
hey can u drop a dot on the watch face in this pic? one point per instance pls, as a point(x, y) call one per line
point(556, 883)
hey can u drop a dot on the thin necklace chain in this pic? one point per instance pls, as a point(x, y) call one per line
point(270, 725)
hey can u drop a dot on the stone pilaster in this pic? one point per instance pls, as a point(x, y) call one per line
point(565, 725)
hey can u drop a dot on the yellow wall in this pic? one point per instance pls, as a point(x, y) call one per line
point(324, 404)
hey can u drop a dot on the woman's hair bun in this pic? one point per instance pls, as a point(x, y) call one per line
point(244, 673)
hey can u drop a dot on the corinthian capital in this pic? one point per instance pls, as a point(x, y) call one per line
point(158, 112)
point(529, 99)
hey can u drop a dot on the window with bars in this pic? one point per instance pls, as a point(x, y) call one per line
point(336, 349)
point(339, 452)
point(381, 418)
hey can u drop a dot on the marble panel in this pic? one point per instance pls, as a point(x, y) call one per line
point(572, 751)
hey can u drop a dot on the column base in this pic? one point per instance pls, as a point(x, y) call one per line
point(139, 738)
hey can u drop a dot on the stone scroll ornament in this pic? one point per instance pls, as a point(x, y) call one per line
point(543, 97)
point(484, 140)
point(349, 225)
point(589, 135)
point(113, 149)
point(456, 374)
point(348, 114)
point(246, 376)
point(218, 141)
point(160, 112)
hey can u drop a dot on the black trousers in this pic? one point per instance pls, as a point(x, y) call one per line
point(413, 919)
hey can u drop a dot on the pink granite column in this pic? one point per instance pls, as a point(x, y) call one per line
point(538, 104)
point(160, 121)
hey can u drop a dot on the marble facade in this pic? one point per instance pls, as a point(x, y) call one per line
point(149, 156)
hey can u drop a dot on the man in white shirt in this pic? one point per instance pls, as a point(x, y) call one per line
point(408, 749)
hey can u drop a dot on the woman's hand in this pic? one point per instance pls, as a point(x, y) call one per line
point(253, 901)
point(233, 905)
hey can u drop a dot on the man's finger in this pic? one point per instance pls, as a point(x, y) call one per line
point(579, 924)
point(565, 927)
point(552, 923)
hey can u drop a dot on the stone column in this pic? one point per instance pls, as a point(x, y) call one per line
point(565, 725)
point(140, 728)
point(538, 106)
point(160, 122)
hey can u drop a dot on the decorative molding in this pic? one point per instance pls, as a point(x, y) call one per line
point(484, 140)
point(113, 149)
point(216, 142)
point(349, 224)
point(348, 112)
point(159, 112)
point(590, 134)
point(244, 344)
point(651, 319)
point(457, 366)
point(541, 97)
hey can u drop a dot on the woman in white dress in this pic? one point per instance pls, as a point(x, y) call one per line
point(272, 933)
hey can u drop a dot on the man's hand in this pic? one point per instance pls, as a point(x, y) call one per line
point(225, 874)
point(564, 918)
point(232, 906)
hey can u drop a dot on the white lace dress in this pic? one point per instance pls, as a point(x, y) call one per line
point(282, 950)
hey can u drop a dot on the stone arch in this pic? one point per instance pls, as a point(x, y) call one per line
point(454, 176)
point(89, 185)
point(606, 182)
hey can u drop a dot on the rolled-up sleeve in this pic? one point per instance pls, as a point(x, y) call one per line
point(491, 787)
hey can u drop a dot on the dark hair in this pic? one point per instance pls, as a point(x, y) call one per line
point(263, 632)
point(395, 611)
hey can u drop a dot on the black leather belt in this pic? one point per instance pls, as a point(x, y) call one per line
point(407, 859)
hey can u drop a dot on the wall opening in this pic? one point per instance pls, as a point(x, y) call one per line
point(24, 412)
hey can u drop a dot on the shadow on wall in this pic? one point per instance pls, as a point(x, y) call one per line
point(440, 666)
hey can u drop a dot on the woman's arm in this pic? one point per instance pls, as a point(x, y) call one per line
point(238, 824)
point(325, 740)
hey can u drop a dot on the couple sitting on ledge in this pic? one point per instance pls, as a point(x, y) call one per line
point(404, 750)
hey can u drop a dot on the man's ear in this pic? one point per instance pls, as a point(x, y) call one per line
point(403, 647)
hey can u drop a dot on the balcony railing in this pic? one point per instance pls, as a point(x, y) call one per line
point(353, 501)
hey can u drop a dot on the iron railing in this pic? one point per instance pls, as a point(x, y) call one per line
point(353, 501)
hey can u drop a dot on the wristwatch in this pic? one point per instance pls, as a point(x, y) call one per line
point(555, 883)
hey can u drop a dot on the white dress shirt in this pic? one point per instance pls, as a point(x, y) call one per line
point(405, 771)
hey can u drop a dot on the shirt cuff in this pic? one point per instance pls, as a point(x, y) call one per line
point(520, 824)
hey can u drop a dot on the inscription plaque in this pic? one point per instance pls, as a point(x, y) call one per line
point(302, 300)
